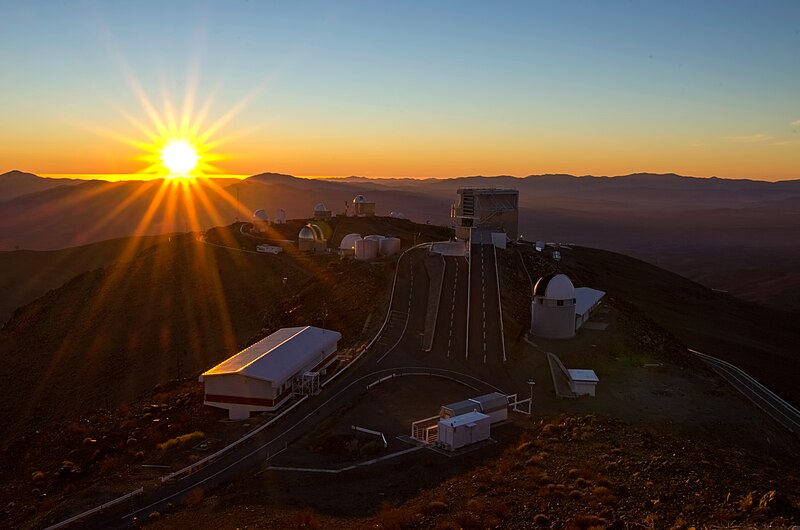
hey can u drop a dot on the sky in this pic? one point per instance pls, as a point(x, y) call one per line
point(417, 89)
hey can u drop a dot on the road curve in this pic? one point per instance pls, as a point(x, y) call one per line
point(765, 399)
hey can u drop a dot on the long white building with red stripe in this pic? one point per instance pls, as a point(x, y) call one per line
point(265, 375)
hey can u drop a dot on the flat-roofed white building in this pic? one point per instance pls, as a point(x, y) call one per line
point(264, 376)
point(466, 429)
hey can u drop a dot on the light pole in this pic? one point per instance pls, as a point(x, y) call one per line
point(531, 382)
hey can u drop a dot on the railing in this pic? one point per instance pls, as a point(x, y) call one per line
point(97, 509)
point(425, 429)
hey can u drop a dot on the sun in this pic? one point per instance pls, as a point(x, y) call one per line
point(179, 157)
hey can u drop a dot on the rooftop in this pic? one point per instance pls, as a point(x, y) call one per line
point(464, 419)
point(279, 356)
point(585, 298)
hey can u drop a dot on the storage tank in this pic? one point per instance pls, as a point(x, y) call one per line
point(280, 216)
point(389, 246)
point(376, 238)
point(366, 249)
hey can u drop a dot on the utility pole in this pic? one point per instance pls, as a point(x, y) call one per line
point(531, 383)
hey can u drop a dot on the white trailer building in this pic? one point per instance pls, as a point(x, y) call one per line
point(463, 430)
point(495, 405)
point(265, 375)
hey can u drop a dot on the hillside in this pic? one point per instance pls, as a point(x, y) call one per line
point(758, 339)
point(111, 334)
point(107, 338)
point(573, 472)
point(17, 183)
point(736, 235)
point(25, 275)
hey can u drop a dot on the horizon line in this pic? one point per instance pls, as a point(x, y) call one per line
point(123, 177)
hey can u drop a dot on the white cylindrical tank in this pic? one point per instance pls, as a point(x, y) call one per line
point(366, 249)
point(389, 246)
point(374, 237)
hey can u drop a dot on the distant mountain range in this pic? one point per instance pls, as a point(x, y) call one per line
point(731, 234)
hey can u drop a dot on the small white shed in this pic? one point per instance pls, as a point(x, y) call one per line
point(463, 430)
point(582, 382)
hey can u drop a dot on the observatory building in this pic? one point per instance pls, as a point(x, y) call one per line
point(311, 239)
point(280, 216)
point(265, 375)
point(362, 207)
point(558, 309)
point(260, 221)
point(321, 212)
point(491, 209)
point(347, 247)
point(553, 307)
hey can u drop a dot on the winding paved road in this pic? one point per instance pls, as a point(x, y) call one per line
point(761, 396)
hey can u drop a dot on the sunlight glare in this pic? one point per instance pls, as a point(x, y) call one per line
point(179, 157)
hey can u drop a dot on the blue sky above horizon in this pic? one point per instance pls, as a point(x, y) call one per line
point(421, 89)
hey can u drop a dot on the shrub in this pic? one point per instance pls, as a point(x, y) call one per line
point(535, 460)
point(541, 519)
point(606, 483)
point(603, 495)
point(524, 446)
point(109, 464)
point(586, 522)
point(180, 440)
point(435, 507)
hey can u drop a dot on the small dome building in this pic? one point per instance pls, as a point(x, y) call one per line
point(321, 212)
point(348, 245)
point(362, 207)
point(311, 239)
point(260, 221)
point(553, 307)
